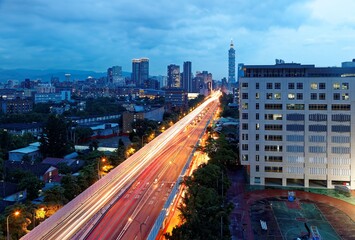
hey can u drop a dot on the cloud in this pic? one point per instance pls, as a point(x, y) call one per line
point(94, 35)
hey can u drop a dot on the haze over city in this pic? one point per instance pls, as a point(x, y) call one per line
point(92, 35)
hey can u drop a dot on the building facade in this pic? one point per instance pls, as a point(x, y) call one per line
point(187, 77)
point(297, 125)
point(140, 71)
point(174, 80)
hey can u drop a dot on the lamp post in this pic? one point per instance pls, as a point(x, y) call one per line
point(7, 224)
point(140, 225)
point(98, 166)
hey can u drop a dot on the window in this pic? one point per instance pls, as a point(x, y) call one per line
point(317, 106)
point(257, 116)
point(268, 95)
point(295, 138)
point(257, 180)
point(268, 85)
point(277, 85)
point(345, 86)
point(291, 85)
point(244, 105)
point(244, 115)
point(273, 148)
point(297, 149)
point(273, 106)
point(341, 118)
point(345, 96)
point(321, 85)
point(244, 126)
point(257, 137)
point(273, 169)
point(257, 85)
point(299, 85)
point(244, 136)
point(336, 96)
point(299, 96)
point(340, 139)
point(341, 128)
point(245, 157)
point(336, 86)
point(318, 117)
point(256, 105)
point(322, 96)
point(313, 96)
point(273, 137)
point(257, 126)
point(295, 106)
point(256, 168)
point(244, 95)
point(245, 147)
point(295, 127)
point(314, 86)
point(341, 150)
point(317, 128)
point(273, 127)
point(273, 158)
point(257, 147)
point(295, 117)
point(277, 96)
point(257, 95)
point(291, 96)
point(244, 85)
point(341, 107)
point(317, 138)
point(273, 116)
point(257, 158)
point(317, 149)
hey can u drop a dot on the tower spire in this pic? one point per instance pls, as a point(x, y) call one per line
point(231, 45)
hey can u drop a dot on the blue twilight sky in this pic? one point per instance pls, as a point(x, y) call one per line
point(96, 34)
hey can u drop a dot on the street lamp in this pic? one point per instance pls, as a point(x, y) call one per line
point(7, 224)
point(140, 225)
point(98, 166)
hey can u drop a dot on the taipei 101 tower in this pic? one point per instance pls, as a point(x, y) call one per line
point(231, 65)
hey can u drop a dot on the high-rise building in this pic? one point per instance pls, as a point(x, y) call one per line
point(231, 64)
point(174, 80)
point(140, 71)
point(114, 75)
point(296, 125)
point(187, 77)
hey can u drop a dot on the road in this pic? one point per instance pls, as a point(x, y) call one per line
point(125, 201)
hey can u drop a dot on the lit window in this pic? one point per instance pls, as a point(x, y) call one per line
point(314, 86)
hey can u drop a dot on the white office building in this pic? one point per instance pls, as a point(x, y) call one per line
point(297, 125)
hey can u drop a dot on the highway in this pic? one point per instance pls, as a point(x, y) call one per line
point(125, 203)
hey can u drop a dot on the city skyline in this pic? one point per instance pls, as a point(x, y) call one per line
point(94, 35)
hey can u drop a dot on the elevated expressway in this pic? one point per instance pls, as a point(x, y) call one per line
point(131, 201)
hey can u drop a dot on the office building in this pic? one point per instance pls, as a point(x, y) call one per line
point(187, 77)
point(231, 64)
point(297, 125)
point(140, 71)
point(174, 80)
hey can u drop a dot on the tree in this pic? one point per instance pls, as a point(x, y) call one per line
point(71, 187)
point(63, 168)
point(54, 140)
point(32, 184)
point(83, 133)
point(55, 196)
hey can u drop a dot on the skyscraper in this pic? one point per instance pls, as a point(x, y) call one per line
point(174, 76)
point(231, 64)
point(140, 71)
point(187, 77)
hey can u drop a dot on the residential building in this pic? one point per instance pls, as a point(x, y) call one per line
point(128, 117)
point(16, 106)
point(297, 125)
point(176, 98)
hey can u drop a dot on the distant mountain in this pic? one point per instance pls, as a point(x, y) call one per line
point(46, 75)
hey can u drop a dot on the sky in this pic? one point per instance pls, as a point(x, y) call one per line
point(97, 34)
